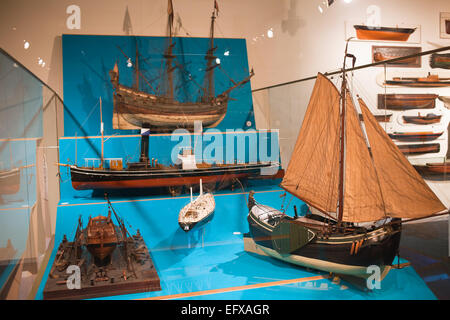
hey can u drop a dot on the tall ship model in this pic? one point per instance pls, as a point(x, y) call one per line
point(357, 185)
point(160, 110)
point(162, 113)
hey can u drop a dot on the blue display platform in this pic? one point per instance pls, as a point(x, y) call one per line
point(211, 263)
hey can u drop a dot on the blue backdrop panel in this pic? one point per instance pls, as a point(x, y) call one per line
point(87, 60)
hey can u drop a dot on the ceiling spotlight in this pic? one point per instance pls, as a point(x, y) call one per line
point(40, 61)
point(129, 64)
point(320, 9)
point(270, 33)
point(226, 53)
point(26, 44)
point(217, 60)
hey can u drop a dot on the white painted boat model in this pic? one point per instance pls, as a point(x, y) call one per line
point(197, 212)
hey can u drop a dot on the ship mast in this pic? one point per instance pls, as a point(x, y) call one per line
point(342, 138)
point(211, 58)
point(169, 55)
point(101, 131)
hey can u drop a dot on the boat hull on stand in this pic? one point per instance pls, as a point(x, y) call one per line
point(340, 254)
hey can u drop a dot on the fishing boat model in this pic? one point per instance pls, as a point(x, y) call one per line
point(430, 81)
point(150, 174)
point(415, 136)
point(197, 212)
point(434, 168)
point(358, 181)
point(162, 111)
point(406, 101)
point(111, 261)
point(430, 118)
point(383, 33)
point(440, 60)
point(415, 149)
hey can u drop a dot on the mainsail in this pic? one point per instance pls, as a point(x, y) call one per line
point(313, 171)
point(378, 180)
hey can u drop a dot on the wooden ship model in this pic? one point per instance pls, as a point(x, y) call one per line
point(161, 111)
point(357, 184)
point(415, 136)
point(419, 148)
point(442, 169)
point(430, 81)
point(197, 212)
point(111, 261)
point(383, 33)
point(440, 60)
point(397, 101)
point(430, 118)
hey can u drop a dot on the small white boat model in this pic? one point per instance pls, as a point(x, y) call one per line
point(197, 212)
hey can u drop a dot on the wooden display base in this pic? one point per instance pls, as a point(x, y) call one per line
point(113, 278)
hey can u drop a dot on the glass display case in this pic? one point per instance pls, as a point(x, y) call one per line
point(175, 150)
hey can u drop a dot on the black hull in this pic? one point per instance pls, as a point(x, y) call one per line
point(86, 178)
point(381, 253)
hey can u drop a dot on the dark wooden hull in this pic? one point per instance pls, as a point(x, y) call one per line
point(413, 149)
point(418, 83)
point(334, 255)
point(428, 119)
point(86, 178)
point(419, 136)
point(383, 33)
point(161, 114)
point(10, 181)
point(406, 101)
point(440, 60)
point(434, 168)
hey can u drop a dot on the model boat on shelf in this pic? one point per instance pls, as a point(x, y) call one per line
point(383, 33)
point(415, 149)
point(406, 101)
point(379, 117)
point(160, 109)
point(440, 60)
point(111, 261)
point(360, 219)
point(430, 81)
point(434, 168)
point(415, 136)
point(197, 212)
point(380, 56)
point(430, 118)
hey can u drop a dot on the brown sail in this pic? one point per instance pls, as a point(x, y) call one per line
point(404, 192)
point(362, 195)
point(313, 172)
